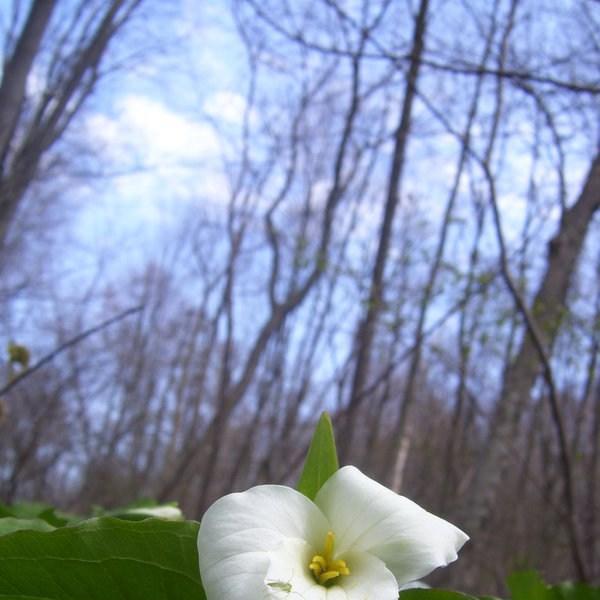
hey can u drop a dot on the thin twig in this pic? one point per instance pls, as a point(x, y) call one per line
point(537, 340)
point(68, 344)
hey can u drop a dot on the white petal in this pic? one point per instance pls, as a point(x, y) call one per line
point(369, 578)
point(368, 517)
point(415, 585)
point(239, 530)
point(288, 576)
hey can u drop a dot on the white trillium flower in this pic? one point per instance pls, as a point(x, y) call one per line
point(357, 541)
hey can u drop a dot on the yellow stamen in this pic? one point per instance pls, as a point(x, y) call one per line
point(328, 575)
point(324, 567)
point(339, 565)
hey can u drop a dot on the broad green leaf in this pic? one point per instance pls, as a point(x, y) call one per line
point(38, 510)
point(25, 510)
point(419, 594)
point(102, 559)
point(11, 524)
point(321, 461)
point(528, 585)
point(576, 591)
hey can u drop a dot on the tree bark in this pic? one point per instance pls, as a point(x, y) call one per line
point(50, 119)
point(16, 71)
point(366, 329)
point(520, 375)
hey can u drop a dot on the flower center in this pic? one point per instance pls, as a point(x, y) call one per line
point(323, 566)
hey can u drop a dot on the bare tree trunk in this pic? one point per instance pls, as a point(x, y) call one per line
point(17, 68)
point(466, 334)
point(55, 110)
point(366, 330)
point(549, 307)
point(591, 520)
point(401, 429)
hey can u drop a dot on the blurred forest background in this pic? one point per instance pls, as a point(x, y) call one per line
point(219, 218)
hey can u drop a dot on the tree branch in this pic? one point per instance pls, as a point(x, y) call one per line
point(68, 344)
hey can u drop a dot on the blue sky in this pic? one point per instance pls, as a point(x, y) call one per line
point(168, 123)
point(165, 128)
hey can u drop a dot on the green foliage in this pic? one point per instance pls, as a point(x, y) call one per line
point(37, 511)
point(576, 591)
point(11, 524)
point(18, 354)
point(321, 461)
point(125, 554)
point(528, 585)
point(102, 559)
point(136, 511)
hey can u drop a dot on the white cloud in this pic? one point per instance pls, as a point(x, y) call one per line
point(165, 162)
point(166, 136)
point(227, 107)
point(144, 130)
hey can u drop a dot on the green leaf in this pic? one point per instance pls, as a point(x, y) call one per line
point(11, 524)
point(38, 510)
point(576, 591)
point(102, 559)
point(419, 594)
point(321, 461)
point(528, 585)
